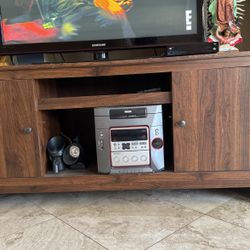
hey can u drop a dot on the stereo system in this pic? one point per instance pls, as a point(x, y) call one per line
point(129, 139)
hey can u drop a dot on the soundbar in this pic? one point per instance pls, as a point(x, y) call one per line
point(191, 49)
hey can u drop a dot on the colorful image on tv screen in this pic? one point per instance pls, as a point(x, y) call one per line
point(37, 21)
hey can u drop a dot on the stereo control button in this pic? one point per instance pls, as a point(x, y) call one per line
point(125, 159)
point(100, 144)
point(134, 158)
point(116, 159)
point(157, 132)
point(144, 158)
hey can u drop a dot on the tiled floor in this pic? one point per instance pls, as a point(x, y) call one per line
point(183, 219)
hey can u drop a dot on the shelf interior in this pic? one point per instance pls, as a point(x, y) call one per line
point(79, 123)
point(94, 86)
point(66, 107)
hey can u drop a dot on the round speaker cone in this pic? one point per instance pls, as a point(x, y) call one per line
point(74, 151)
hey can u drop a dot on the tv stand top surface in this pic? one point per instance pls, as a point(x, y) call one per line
point(125, 67)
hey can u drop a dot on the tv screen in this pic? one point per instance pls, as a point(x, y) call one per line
point(93, 24)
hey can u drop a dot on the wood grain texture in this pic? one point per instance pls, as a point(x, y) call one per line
point(123, 67)
point(2, 155)
point(210, 92)
point(17, 109)
point(215, 105)
point(98, 182)
point(46, 88)
point(104, 101)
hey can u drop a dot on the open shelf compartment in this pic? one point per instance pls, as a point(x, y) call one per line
point(90, 92)
point(80, 123)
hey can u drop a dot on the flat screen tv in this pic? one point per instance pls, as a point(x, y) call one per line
point(31, 26)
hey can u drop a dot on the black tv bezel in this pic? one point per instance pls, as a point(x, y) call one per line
point(114, 44)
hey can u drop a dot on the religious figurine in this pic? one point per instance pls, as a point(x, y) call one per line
point(224, 23)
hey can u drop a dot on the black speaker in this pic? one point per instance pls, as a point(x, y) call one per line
point(73, 154)
point(55, 148)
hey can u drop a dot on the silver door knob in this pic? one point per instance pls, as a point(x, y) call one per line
point(27, 130)
point(182, 123)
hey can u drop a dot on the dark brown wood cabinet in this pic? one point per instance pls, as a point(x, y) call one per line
point(206, 100)
point(19, 154)
point(215, 105)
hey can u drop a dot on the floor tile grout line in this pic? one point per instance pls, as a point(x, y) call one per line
point(175, 231)
point(75, 229)
point(201, 214)
point(38, 223)
point(27, 227)
point(83, 234)
point(222, 204)
point(194, 210)
point(173, 202)
point(204, 213)
point(230, 199)
point(233, 224)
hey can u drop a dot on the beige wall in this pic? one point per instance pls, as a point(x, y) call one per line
point(245, 28)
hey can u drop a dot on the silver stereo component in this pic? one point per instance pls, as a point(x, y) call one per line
point(129, 139)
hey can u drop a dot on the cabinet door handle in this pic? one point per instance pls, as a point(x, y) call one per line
point(27, 130)
point(182, 124)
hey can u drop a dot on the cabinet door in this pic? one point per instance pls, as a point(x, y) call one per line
point(211, 116)
point(19, 154)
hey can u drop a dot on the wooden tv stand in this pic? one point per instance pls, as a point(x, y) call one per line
point(211, 93)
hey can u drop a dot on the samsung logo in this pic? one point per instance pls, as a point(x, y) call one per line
point(127, 111)
point(99, 44)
